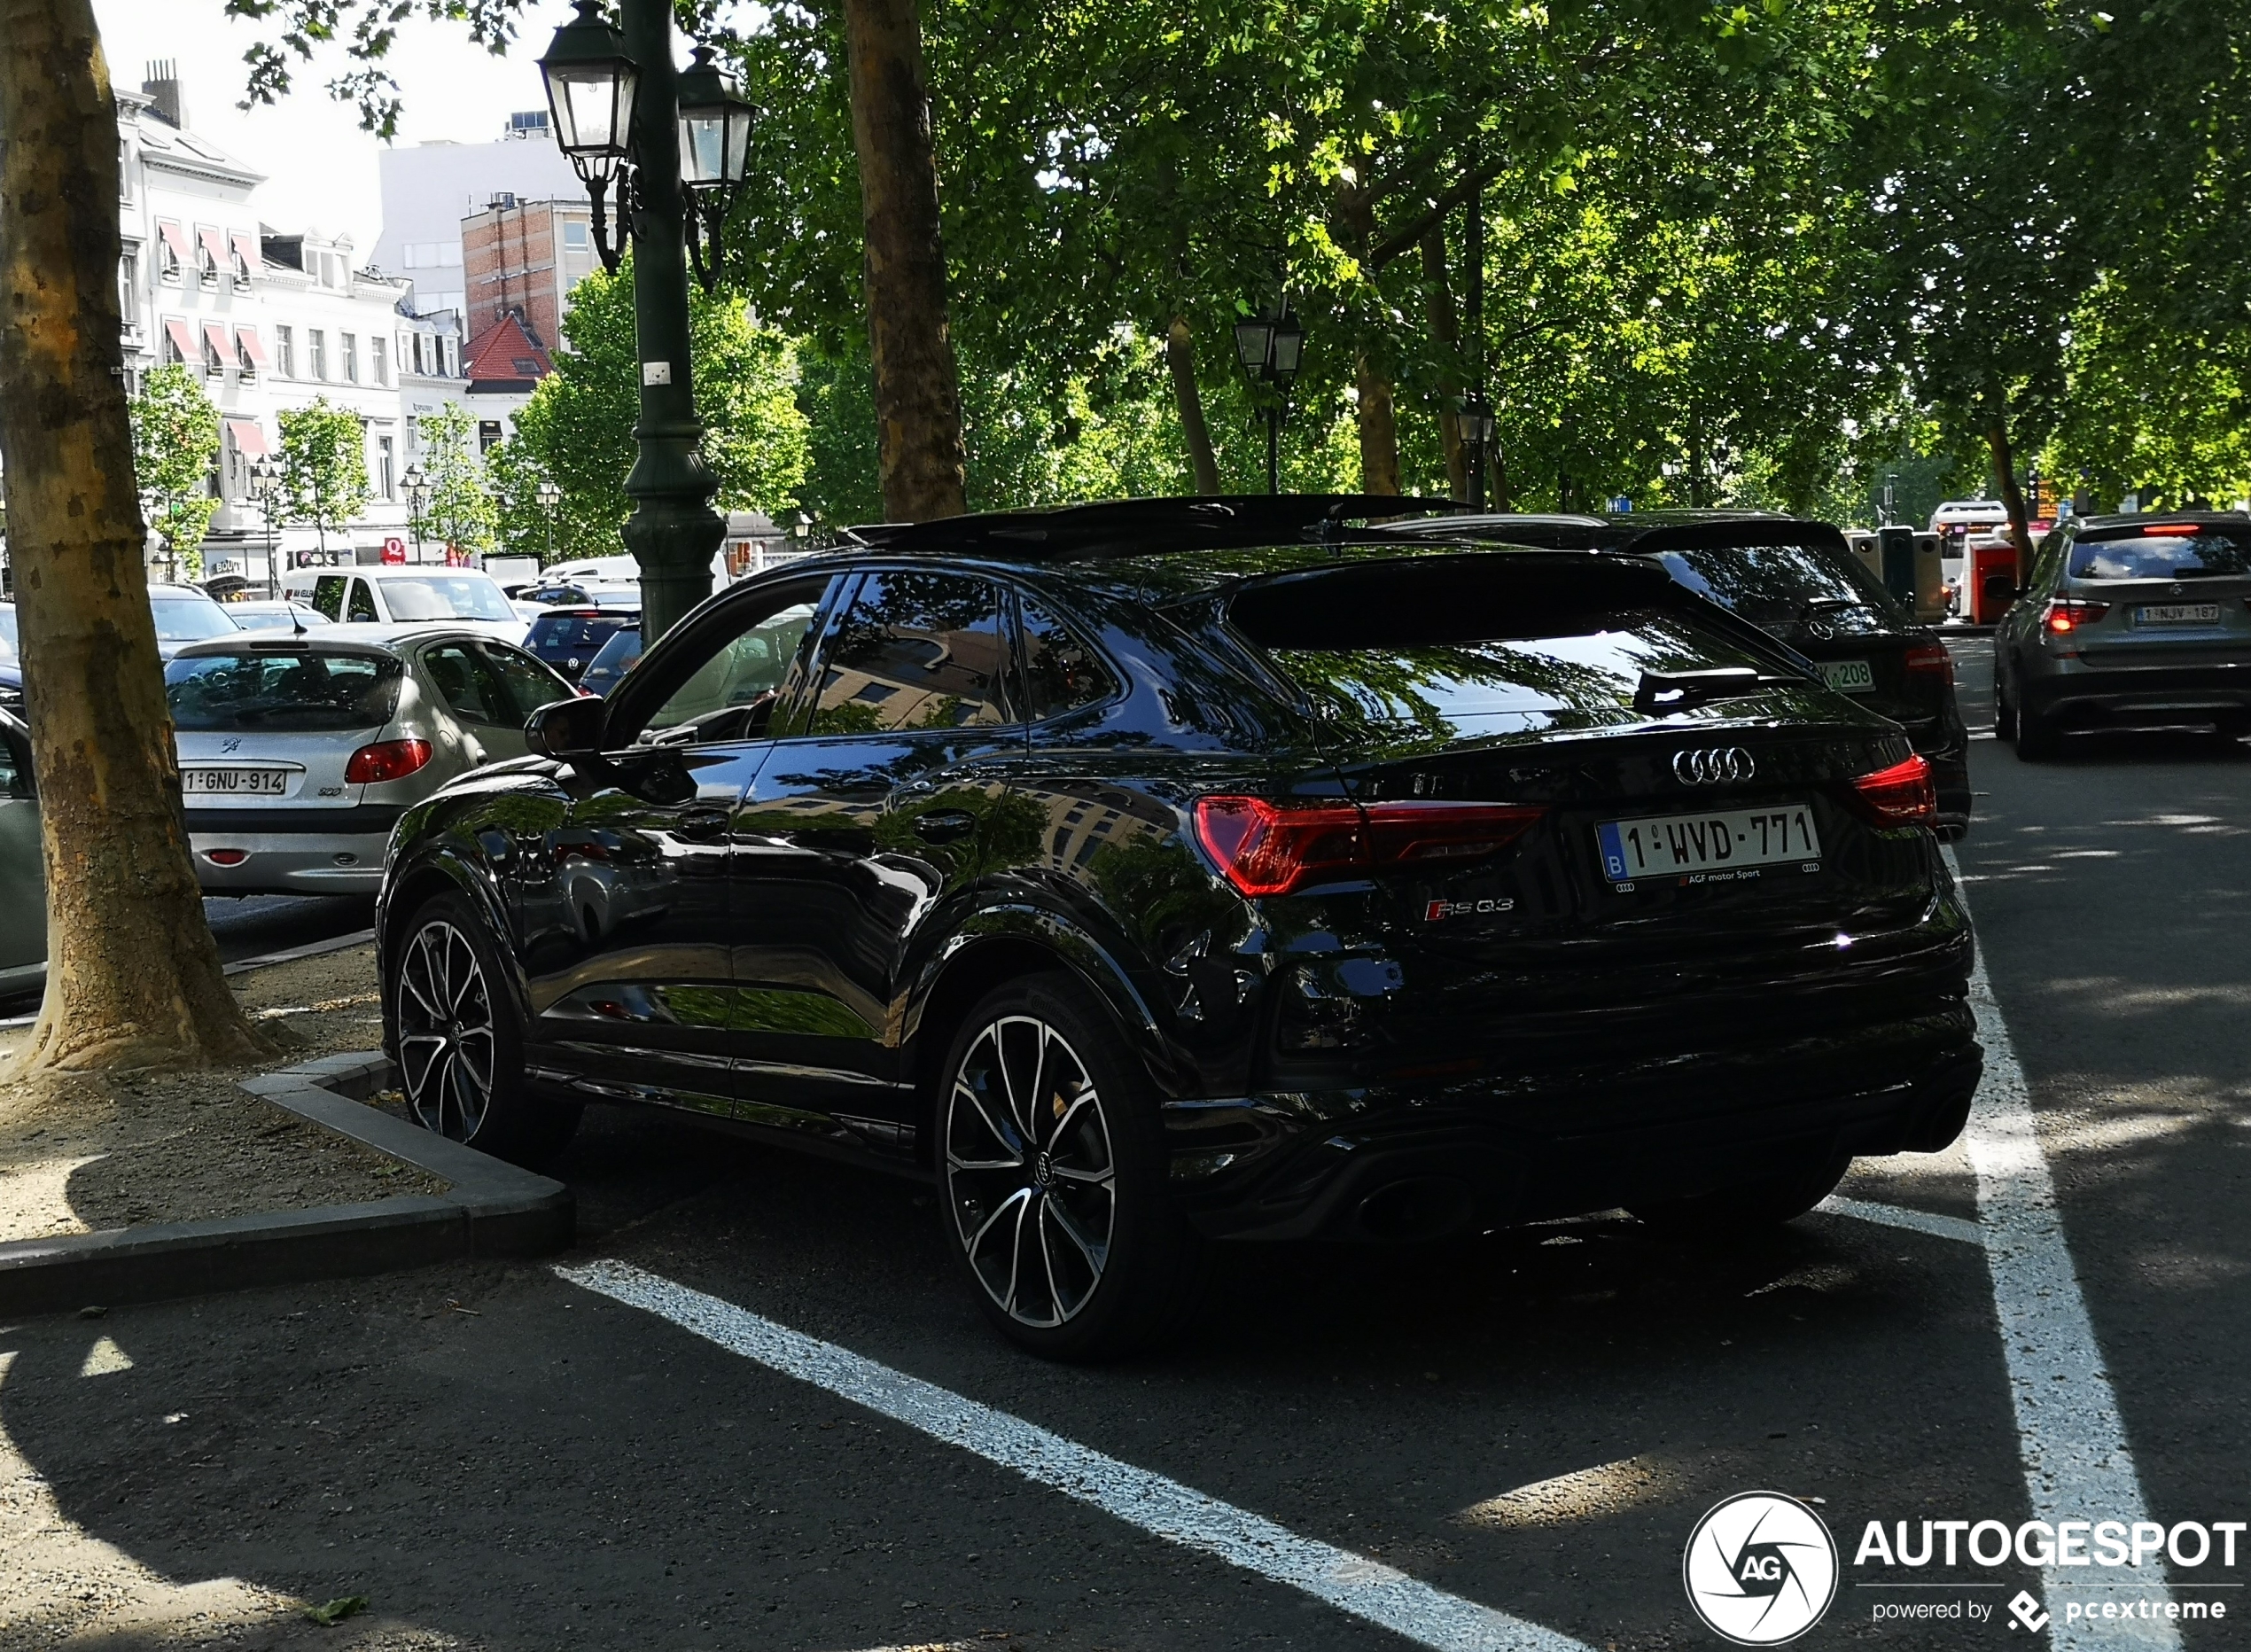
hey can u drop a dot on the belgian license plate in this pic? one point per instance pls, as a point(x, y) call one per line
point(1714, 847)
point(1854, 677)
point(235, 783)
point(2177, 613)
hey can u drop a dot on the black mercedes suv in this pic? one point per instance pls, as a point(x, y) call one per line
point(1159, 872)
point(1798, 580)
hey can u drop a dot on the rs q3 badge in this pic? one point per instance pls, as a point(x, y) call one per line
point(1439, 911)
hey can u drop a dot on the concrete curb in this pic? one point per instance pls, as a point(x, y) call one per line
point(488, 1209)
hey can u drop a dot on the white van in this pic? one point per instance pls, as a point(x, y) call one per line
point(397, 594)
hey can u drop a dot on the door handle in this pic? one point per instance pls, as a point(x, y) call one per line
point(945, 825)
point(702, 825)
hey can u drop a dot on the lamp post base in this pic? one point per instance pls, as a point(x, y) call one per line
point(674, 540)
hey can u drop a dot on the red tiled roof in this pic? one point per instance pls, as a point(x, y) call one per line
point(500, 350)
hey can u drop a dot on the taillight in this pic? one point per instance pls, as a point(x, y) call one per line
point(2069, 613)
point(1931, 657)
point(1901, 795)
point(1266, 848)
point(385, 760)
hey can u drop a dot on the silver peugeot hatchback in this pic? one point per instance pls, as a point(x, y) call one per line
point(298, 753)
point(2129, 622)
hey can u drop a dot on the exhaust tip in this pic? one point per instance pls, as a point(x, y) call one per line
point(1419, 1207)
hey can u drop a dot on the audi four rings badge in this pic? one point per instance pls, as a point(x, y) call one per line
point(1726, 764)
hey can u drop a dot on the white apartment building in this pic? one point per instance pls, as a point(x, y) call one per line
point(273, 322)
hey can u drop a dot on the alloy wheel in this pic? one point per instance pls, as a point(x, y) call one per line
point(446, 1047)
point(1029, 1171)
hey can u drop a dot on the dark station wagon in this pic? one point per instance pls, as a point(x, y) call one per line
point(1157, 873)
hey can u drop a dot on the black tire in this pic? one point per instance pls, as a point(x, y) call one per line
point(1781, 1198)
point(1051, 1152)
point(460, 1039)
point(2037, 738)
point(2004, 713)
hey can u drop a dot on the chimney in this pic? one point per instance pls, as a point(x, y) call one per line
point(162, 87)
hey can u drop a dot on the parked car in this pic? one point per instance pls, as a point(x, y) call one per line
point(618, 655)
point(2128, 621)
point(10, 661)
point(298, 753)
point(1798, 582)
point(405, 594)
point(23, 887)
point(581, 594)
point(568, 638)
point(281, 616)
point(1136, 895)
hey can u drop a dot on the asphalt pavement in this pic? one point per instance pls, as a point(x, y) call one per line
point(1532, 1422)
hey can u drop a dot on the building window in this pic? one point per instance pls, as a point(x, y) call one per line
point(379, 359)
point(316, 351)
point(128, 286)
point(383, 457)
point(285, 351)
point(206, 265)
point(574, 238)
point(351, 351)
point(453, 358)
point(488, 434)
point(171, 245)
point(124, 170)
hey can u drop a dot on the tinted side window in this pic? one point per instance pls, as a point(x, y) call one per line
point(328, 595)
point(15, 770)
point(362, 602)
point(915, 651)
point(466, 681)
point(1060, 672)
point(530, 684)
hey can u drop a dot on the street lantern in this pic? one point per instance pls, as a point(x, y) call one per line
point(591, 85)
point(715, 121)
point(550, 495)
point(417, 483)
point(1271, 348)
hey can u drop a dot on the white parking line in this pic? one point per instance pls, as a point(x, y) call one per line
point(1367, 1589)
point(2069, 1434)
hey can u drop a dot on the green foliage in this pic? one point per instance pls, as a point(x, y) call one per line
point(578, 426)
point(175, 443)
point(460, 513)
point(323, 482)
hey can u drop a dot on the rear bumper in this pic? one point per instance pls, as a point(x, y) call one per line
point(288, 863)
point(1397, 1163)
point(2073, 694)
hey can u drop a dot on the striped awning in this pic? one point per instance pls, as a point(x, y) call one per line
point(248, 436)
point(183, 336)
point(252, 346)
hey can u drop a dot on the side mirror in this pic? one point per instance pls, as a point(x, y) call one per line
point(567, 729)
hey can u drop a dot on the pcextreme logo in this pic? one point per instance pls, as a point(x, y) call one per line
point(1761, 1569)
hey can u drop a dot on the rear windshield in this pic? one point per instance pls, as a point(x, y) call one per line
point(308, 692)
point(189, 619)
point(8, 635)
point(2160, 556)
point(558, 637)
point(1449, 659)
point(445, 596)
point(1778, 588)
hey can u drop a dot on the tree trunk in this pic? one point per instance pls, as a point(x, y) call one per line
point(1445, 335)
point(918, 388)
point(1180, 355)
point(1378, 418)
point(133, 976)
point(1996, 439)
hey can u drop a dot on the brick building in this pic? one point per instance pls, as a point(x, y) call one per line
point(522, 258)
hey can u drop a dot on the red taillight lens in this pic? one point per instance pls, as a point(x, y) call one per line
point(1931, 657)
point(1266, 848)
point(385, 760)
point(2069, 613)
point(1901, 795)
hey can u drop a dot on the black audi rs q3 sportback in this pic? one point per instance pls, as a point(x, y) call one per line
point(1154, 873)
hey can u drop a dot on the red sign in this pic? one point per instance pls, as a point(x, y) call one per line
point(395, 551)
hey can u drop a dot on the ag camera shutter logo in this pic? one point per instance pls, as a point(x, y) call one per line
point(1761, 1569)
